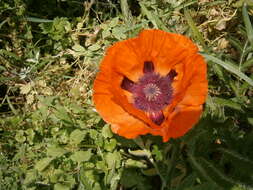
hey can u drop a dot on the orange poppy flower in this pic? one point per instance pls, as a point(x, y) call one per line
point(155, 83)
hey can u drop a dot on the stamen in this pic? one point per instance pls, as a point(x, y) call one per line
point(148, 67)
point(172, 74)
point(127, 84)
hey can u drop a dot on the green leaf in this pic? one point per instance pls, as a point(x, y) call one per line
point(77, 136)
point(229, 67)
point(227, 103)
point(114, 22)
point(56, 151)
point(113, 160)
point(94, 47)
point(60, 186)
point(204, 186)
point(119, 33)
point(247, 64)
point(89, 180)
point(200, 169)
point(247, 23)
point(42, 164)
point(139, 153)
point(20, 136)
point(30, 177)
point(135, 163)
point(196, 34)
point(62, 114)
point(81, 156)
point(238, 157)
point(78, 48)
point(158, 154)
point(39, 20)
point(250, 120)
point(106, 131)
point(125, 11)
point(152, 17)
point(110, 145)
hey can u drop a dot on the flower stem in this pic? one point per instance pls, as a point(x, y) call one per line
point(174, 157)
point(141, 144)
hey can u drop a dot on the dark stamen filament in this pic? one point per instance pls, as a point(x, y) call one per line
point(148, 67)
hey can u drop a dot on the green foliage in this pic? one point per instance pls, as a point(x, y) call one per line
point(52, 138)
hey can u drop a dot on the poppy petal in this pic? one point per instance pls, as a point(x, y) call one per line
point(113, 113)
point(182, 120)
point(195, 82)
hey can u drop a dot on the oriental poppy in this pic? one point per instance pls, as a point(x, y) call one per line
point(155, 83)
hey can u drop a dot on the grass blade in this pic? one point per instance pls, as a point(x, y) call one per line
point(125, 11)
point(229, 67)
point(200, 169)
point(247, 23)
point(39, 20)
point(196, 34)
point(247, 64)
point(153, 18)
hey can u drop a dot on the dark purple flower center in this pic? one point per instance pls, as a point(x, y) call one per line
point(152, 92)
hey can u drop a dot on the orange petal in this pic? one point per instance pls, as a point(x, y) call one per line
point(182, 120)
point(195, 83)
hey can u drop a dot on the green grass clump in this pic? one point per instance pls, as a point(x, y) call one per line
point(52, 138)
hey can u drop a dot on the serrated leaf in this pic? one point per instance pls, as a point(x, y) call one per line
point(25, 89)
point(106, 131)
point(110, 145)
point(88, 180)
point(20, 136)
point(30, 177)
point(77, 136)
point(227, 103)
point(114, 22)
point(113, 160)
point(81, 156)
point(94, 47)
point(56, 151)
point(119, 33)
point(60, 186)
point(78, 48)
point(106, 33)
point(42, 164)
point(62, 114)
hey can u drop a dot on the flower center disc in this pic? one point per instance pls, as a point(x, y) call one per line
point(151, 91)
